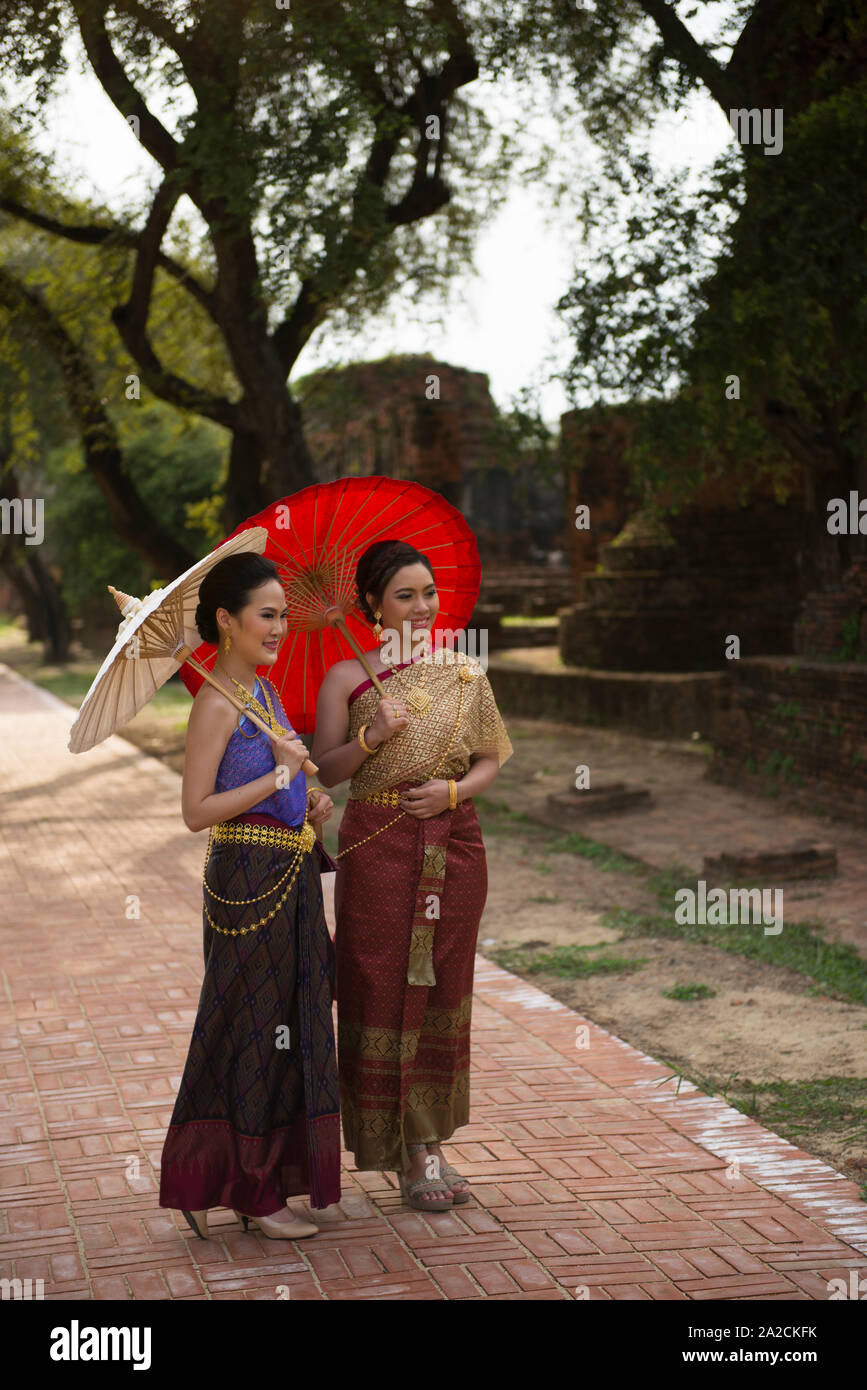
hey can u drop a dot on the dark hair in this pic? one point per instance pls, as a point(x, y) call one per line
point(377, 565)
point(228, 585)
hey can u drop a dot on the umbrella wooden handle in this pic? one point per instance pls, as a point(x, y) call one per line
point(335, 618)
point(307, 766)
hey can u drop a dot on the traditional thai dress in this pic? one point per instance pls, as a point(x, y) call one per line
point(409, 899)
point(256, 1117)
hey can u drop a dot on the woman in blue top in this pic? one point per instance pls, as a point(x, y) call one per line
point(256, 1119)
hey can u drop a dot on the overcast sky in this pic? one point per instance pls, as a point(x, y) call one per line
point(501, 322)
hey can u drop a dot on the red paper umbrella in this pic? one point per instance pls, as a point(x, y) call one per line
point(316, 539)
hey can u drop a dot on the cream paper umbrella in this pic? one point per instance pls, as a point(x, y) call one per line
point(156, 635)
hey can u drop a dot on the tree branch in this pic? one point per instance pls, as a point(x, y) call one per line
point(426, 194)
point(158, 142)
point(156, 23)
point(692, 55)
point(93, 234)
point(136, 524)
point(135, 311)
point(130, 318)
point(164, 383)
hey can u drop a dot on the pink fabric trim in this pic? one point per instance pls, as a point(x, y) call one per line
point(383, 675)
point(207, 1163)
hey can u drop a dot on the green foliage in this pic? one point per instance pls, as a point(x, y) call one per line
point(687, 992)
point(601, 855)
point(851, 635)
point(177, 464)
point(567, 962)
point(798, 1108)
point(757, 274)
point(786, 709)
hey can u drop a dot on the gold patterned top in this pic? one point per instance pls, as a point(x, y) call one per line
point(416, 753)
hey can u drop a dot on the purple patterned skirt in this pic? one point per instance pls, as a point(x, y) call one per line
point(257, 1114)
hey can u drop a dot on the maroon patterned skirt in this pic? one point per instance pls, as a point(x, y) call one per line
point(409, 903)
point(257, 1114)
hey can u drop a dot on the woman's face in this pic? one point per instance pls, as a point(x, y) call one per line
point(260, 625)
point(409, 596)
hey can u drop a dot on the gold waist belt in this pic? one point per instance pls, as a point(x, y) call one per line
point(227, 833)
point(389, 797)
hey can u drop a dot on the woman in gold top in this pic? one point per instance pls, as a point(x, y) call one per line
point(412, 879)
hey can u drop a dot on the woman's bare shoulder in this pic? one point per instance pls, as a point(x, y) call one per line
point(212, 708)
point(343, 677)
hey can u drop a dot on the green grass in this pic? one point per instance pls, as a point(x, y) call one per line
point(796, 1108)
point(71, 683)
point(502, 810)
point(829, 967)
point(66, 685)
point(681, 991)
point(787, 710)
point(567, 962)
point(519, 620)
point(605, 858)
point(832, 967)
point(534, 835)
point(72, 686)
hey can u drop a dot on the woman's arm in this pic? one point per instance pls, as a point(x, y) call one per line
point(212, 720)
point(433, 797)
point(337, 758)
point(484, 767)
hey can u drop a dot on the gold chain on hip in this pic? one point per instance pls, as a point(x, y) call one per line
point(301, 840)
point(306, 840)
point(242, 931)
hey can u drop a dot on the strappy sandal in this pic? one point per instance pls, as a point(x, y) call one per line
point(409, 1190)
point(450, 1175)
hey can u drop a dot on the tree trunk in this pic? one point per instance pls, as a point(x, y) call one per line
point(265, 464)
point(42, 601)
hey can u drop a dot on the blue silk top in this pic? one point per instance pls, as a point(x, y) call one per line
point(247, 758)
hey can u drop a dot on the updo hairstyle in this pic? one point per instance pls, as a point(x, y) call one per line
point(229, 585)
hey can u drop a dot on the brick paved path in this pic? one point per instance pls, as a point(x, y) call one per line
point(590, 1178)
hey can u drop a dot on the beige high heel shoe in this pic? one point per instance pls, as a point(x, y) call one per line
point(279, 1230)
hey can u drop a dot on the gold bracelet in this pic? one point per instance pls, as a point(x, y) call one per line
point(361, 732)
point(453, 796)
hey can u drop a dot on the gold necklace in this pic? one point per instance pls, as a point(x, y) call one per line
point(267, 716)
point(417, 697)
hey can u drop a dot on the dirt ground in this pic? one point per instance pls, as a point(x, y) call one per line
point(766, 1023)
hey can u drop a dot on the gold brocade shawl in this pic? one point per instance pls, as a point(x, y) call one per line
point(423, 749)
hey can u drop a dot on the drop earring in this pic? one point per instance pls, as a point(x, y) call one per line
point(377, 627)
point(227, 644)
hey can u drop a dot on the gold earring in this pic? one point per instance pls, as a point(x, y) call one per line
point(377, 627)
point(227, 644)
